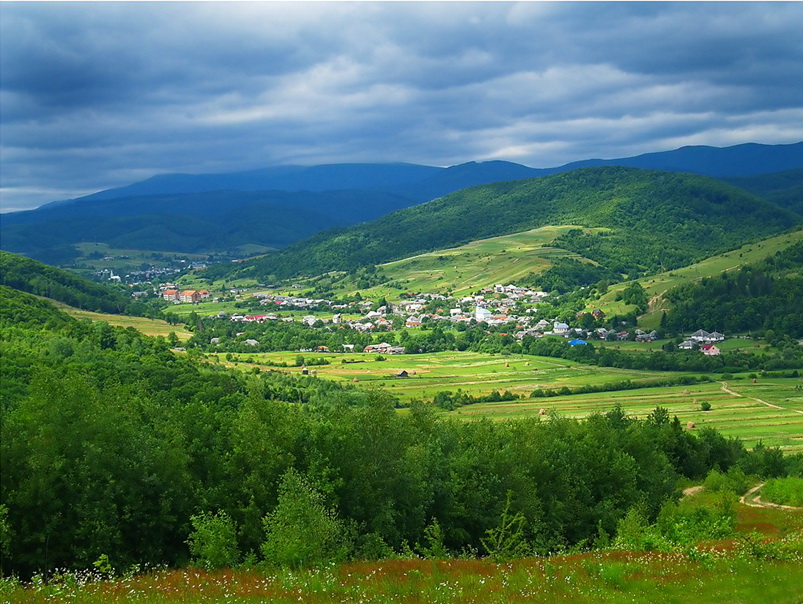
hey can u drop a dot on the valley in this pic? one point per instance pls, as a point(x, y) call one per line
point(510, 372)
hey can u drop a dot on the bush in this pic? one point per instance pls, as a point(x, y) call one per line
point(302, 531)
point(213, 541)
point(705, 406)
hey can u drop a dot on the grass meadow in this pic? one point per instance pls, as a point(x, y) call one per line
point(468, 268)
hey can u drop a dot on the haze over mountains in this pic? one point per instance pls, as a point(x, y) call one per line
point(275, 207)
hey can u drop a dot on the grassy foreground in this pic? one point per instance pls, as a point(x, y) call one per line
point(702, 575)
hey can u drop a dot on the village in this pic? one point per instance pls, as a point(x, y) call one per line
point(493, 307)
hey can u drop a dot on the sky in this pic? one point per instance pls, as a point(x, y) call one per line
point(102, 94)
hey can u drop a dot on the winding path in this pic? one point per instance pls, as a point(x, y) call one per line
point(758, 400)
point(755, 502)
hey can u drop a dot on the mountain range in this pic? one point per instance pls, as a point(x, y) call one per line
point(275, 207)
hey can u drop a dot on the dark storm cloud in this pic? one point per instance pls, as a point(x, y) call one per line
point(95, 95)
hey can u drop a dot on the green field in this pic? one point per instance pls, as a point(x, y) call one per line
point(746, 411)
point(740, 413)
point(473, 372)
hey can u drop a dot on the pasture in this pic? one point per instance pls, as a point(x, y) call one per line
point(770, 411)
point(474, 373)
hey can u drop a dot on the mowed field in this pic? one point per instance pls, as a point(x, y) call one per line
point(472, 372)
point(771, 410)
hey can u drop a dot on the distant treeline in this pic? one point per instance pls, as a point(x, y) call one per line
point(112, 445)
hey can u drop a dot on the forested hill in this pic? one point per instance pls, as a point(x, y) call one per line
point(764, 298)
point(782, 188)
point(657, 220)
point(34, 277)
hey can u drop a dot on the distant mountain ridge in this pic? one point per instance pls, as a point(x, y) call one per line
point(423, 182)
point(274, 207)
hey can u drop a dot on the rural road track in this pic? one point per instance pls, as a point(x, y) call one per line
point(758, 400)
point(746, 499)
point(756, 502)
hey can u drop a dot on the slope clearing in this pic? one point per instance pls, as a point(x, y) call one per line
point(468, 268)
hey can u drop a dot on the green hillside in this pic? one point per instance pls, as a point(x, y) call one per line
point(782, 188)
point(37, 278)
point(657, 286)
point(464, 269)
point(657, 220)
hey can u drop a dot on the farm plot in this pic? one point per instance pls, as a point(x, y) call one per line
point(731, 412)
point(473, 373)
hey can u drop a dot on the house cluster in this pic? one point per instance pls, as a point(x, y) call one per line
point(704, 342)
point(179, 296)
point(292, 301)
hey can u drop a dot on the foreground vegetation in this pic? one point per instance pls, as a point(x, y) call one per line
point(601, 577)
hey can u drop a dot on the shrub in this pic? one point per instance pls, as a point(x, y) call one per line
point(705, 406)
point(213, 541)
point(302, 531)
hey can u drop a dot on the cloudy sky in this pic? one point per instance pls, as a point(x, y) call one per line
point(101, 94)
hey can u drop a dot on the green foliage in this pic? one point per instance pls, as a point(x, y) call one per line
point(34, 277)
point(434, 546)
point(759, 298)
point(213, 540)
point(5, 536)
point(302, 531)
point(733, 481)
point(676, 526)
point(506, 540)
point(786, 491)
point(567, 274)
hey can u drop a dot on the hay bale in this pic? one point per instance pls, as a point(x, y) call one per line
point(355, 380)
point(686, 391)
point(542, 412)
point(507, 364)
point(691, 426)
point(527, 364)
